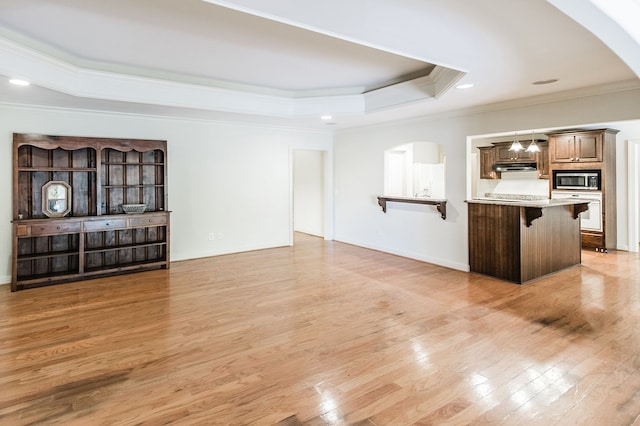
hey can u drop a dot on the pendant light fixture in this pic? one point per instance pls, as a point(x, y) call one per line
point(516, 146)
point(533, 146)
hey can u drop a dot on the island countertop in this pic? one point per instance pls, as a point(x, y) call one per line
point(526, 203)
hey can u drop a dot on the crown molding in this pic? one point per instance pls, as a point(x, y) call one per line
point(55, 74)
point(418, 89)
point(630, 87)
point(64, 76)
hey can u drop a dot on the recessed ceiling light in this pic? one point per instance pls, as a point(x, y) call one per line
point(19, 82)
point(541, 82)
point(465, 86)
point(326, 117)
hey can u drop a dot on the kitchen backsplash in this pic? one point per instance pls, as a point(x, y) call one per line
point(522, 183)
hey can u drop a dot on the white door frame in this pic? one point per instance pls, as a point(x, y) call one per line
point(633, 186)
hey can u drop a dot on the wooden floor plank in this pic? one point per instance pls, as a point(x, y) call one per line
point(325, 333)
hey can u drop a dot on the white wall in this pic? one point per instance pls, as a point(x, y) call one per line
point(410, 230)
point(230, 180)
point(417, 231)
point(235, 180)
point(308, 191)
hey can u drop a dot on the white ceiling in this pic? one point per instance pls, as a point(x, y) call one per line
point(286, 63)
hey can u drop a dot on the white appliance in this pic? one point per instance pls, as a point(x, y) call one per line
point(592, 218)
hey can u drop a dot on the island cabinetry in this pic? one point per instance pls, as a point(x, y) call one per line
point(519, 242)
point(90, 235)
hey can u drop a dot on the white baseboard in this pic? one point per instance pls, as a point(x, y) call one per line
point(416, 256)
point(226, 250)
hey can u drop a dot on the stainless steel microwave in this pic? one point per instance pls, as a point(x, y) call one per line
point(584, 179)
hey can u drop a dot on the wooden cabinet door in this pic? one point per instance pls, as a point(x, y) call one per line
point(543, 161)
point(524, 156)
point(487, 158)
point(561, 149)
point(588, 147)
point(503, 155)
point(579, 147)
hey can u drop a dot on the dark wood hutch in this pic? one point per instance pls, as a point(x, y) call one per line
point(92, 236)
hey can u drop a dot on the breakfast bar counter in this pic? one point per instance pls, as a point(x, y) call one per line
point(521, 240)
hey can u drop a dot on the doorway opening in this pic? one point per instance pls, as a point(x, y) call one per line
point(309, 192)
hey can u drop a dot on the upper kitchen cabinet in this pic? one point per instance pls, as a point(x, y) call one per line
point(579, 146)
point(499, 153)
point(542, 160)
point(504, 155)
point(487, 159)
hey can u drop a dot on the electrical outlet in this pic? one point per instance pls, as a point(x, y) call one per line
point(212, 236)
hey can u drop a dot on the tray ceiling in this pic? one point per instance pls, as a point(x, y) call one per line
point(271, 59)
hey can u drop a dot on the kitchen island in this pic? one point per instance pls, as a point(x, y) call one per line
point(521, 240)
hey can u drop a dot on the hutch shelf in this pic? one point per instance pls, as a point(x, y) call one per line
point(92, 236)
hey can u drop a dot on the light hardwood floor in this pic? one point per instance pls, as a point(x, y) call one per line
point(325, 333)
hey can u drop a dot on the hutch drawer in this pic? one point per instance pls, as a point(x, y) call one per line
point(105, 224)
point(148, 221)
point(52, 228)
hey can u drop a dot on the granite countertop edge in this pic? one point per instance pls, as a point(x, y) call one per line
point(528, 203)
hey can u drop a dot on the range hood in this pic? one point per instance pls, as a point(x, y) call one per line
point(514, 167)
